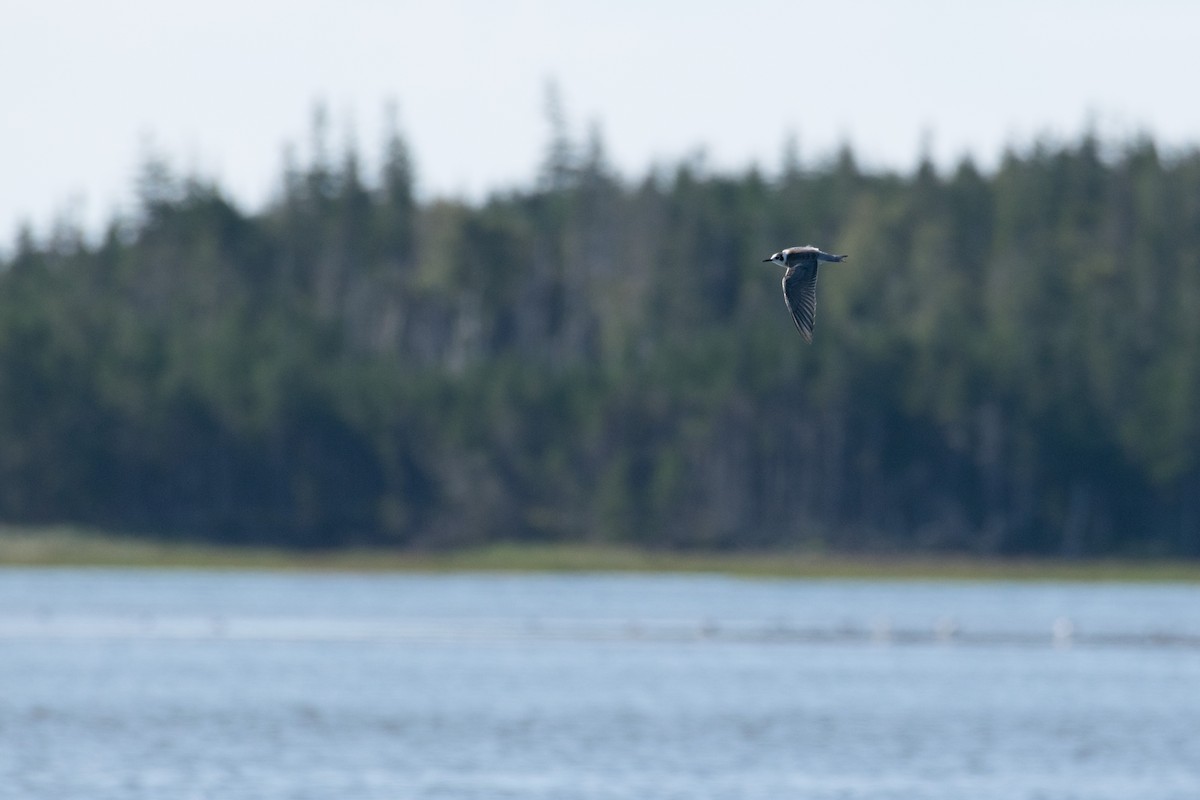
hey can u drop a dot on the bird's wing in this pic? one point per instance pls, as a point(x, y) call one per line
point(800, 294)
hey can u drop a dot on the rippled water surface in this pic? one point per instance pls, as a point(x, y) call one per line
point(129, 684)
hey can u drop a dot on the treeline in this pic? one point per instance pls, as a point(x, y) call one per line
point(1009, 363)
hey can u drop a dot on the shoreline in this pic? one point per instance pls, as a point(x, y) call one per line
point(70, 547)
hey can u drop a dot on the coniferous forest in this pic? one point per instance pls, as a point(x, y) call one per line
point(1009, 363)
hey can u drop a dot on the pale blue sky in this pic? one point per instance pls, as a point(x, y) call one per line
point(220, 86)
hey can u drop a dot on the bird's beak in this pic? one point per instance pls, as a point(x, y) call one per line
point(766, 260)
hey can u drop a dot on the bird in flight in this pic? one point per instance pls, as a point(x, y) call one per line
point(800, 283)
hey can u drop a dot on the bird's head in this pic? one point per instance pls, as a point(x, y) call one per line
point(776, 259)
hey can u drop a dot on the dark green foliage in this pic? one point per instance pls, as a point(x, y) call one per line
point(1009, 363)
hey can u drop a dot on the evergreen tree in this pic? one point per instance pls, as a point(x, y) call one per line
point(1006, 364)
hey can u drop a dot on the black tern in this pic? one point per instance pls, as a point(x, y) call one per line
point(800, 283)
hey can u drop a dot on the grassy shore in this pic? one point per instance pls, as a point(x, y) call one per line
point(60, 547)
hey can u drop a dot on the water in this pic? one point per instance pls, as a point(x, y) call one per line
point(132, 684)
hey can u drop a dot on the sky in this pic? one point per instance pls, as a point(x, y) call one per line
point(219, 88)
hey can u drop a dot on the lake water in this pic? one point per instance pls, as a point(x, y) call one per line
point(174, 685)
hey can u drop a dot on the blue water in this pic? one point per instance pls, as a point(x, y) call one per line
point(160, 684)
